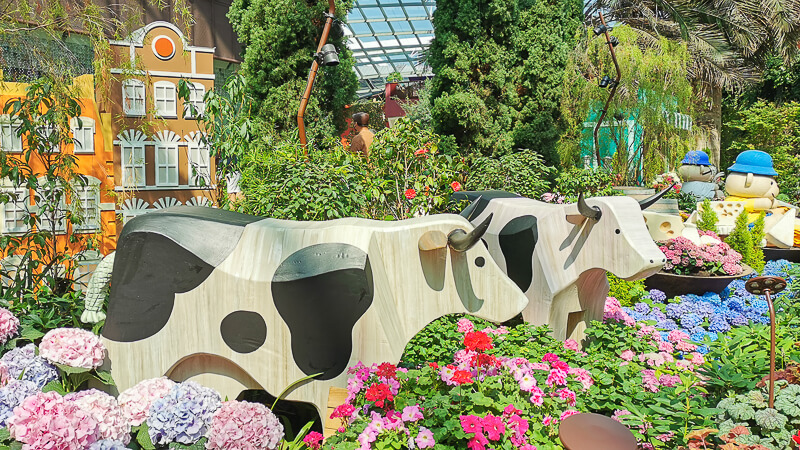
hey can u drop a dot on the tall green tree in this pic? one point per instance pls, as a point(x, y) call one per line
point(279, 38)
point(498, 68)
point(730, 42)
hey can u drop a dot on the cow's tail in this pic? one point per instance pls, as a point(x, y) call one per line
point(96, 291)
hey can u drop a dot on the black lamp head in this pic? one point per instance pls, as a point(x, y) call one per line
point(600, 30)
point(614, 41)
point(604, 82)
point(328, 56)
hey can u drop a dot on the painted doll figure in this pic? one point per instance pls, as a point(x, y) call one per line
point(699, 176)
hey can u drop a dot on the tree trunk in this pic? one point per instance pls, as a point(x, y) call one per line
point(709, 124)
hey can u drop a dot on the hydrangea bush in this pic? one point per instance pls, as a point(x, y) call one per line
point(686, 258)
point(9, 325)
point(244, 425)
point(135, 402)
point(73, 347)
point(23, 363)
point(48, 420)
point(183, 415)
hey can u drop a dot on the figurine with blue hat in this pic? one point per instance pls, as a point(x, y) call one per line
point(699, 176)
point(752, 182)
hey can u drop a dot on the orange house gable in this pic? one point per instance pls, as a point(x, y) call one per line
point(158, 155)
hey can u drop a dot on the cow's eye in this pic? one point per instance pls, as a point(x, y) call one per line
point(616, 231)
point(479, 261)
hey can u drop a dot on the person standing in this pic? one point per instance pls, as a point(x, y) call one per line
point(363, 138)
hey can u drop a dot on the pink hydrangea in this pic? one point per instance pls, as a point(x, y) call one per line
point(48, 421)
point(135, 402)
point(627, 355)
point(244, 425)
point(613, 311)
point(73, 347)
point(9, 325)
point(105, 410)
point(5, 377)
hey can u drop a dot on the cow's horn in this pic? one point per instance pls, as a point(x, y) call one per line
point(461, 241)
point(592, 212)
point(648, 202)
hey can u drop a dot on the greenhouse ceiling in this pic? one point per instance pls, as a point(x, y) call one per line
point(389, 36)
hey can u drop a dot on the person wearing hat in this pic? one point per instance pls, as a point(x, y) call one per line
point(699, 176)
point(751, 181)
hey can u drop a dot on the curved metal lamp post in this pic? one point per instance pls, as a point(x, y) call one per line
point(326, 54)
point(606, 81)
point(766, 286)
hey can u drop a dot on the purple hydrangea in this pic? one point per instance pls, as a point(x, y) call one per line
point(657, 315)
point(690, 320)
point(108, 444)
point(676, 310)
point(737, 319)
point(12, 394)
point(642, 308)
point(25, 363)
point(667, 324)
point(184, 415)
point(703, 309)
point(657, 296)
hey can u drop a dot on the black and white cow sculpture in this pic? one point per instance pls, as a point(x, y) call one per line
point(559, 254)
point(240, 302)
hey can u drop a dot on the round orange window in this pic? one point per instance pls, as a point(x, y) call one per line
point(163, 47)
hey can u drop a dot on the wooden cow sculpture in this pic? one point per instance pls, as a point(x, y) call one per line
point(559, 254)
point(240, 302)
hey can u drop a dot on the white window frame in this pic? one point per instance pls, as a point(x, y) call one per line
point(199, 160)
point(82, 135)
point(86, 204)
point(9, 140)
point(19, 207)
point(167, 159)
point(165, 98)
point(45, 220)
point(132, 159)
point(197, 92)
point(133, 97)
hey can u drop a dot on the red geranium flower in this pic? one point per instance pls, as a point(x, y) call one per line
point(434, 365)
point(477, 341)
point(456, 186)
point(796, 438)
point(462, 377)
point(387, 370)
point(484, 360)
point(410, 193)
point(378, 393)
point(421, 151)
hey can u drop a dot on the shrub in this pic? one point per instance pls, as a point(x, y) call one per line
point(627, 292)
point(747, 241)
point(524, 173)
point(708, 218)
point(592, 183)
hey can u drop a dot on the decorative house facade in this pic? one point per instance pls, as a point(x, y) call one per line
point(157, 147)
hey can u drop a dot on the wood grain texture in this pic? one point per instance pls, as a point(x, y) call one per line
point(572, 256)
point(405, 300)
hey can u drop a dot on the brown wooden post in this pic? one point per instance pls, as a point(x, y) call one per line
point(313, 74)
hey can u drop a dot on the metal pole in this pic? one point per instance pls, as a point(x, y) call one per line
point(771, 349)
point(610, 95)
point(312, 74)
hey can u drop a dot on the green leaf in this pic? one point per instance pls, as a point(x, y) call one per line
point(54, 386)
point(143, 437)
point(29, 333)
point(105, 377)
point(71, 370)
point(4, 434)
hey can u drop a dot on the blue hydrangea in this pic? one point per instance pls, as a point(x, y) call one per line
point(738, 320)
point(736, 304)
point(635, 315)
point(718, 324)
point(657, 296)
point(12, 394)
point(712, 335)
point(760, 306)
point(703, 308)
point(702, 349)
point(108, 444)
point(24, 363)
point(697, 336)
point(184, 415)
point(667, 324)
point(691, 320)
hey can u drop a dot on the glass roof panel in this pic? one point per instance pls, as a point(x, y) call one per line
point(389, 36)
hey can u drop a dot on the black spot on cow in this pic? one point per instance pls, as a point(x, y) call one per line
point(479, 199)
point(243, 331)
point(161, 254)
point(517, 241)
point(320, 292)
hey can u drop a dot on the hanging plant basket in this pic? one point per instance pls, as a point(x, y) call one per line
point(674, 284)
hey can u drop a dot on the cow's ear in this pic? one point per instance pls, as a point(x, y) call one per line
point(576, 219)
point(433, 258)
